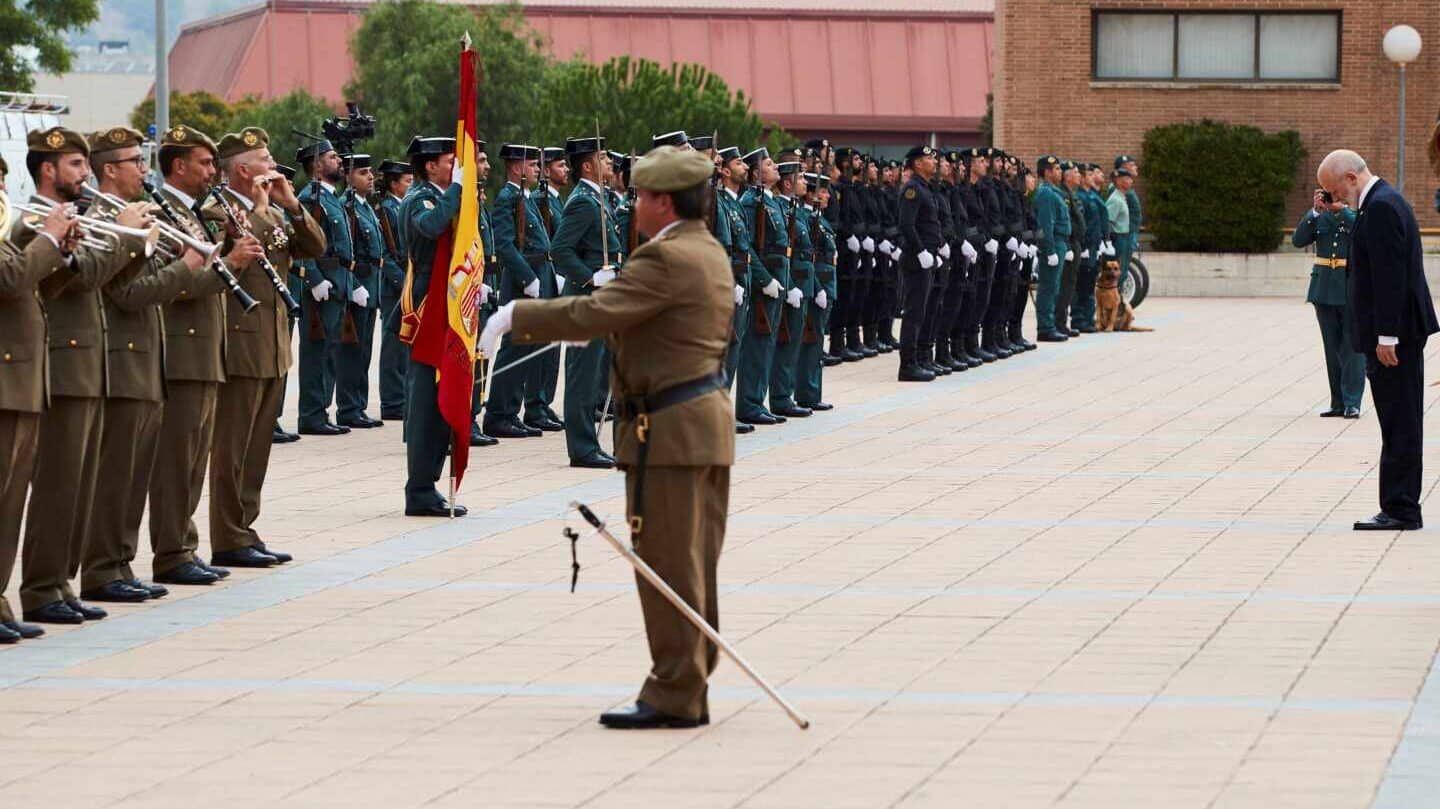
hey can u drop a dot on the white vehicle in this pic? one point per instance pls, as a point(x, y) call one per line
point(21, 113)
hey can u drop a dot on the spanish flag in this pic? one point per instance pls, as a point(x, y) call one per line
point(463, 270)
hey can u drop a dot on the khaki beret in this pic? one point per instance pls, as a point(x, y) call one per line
point(246, 140)
point(116, 137)
point(56, 140)
point(666, 169)
point(183, 136)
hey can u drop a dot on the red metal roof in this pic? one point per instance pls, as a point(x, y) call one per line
point(874, 71)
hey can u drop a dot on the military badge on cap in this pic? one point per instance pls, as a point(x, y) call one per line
point(55, 140)
point(250, 138)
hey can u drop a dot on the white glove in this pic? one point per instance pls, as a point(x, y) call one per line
point(886, 246)
point(945, 250)
point(602, 277)
point(992, 247)
point(968, 251)
point(1069, 255)
point(896, 254)
point(794, 297)
point(1052, 260)
point(1034, 251)
point(1026, 251)
point(822, 300)
point(485, 291)
point(926, 260)
point(457, 174)
point(496, 327)
point(360, 297)
point(532, 289)
point(1084, 253)
point(868, 244)
point(853, 243)
point(321, 291)
point(739, 295)
point(772, 289)
point(1011, 244)
point(1109, 248)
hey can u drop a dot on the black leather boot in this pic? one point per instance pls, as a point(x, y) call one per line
point(944, 359)
point(910, 370)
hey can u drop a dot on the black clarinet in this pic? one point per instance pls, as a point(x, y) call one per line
point(183, 223)
point(291, 305)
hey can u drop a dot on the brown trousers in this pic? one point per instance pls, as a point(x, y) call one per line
point(186, 431)
point(19, 437)
point(685, 509)
point(244, 422)
point(62, 496)
point(127, 456)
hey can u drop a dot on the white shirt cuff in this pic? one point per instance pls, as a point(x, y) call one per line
point(1389, 341)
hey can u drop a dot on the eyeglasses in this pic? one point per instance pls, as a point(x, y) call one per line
point(138, 160)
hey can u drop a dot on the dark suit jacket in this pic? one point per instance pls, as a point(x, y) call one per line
point(1388, 293)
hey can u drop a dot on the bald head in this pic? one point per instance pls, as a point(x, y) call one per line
point(1344, 174)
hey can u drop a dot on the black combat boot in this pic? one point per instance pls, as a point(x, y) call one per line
point(910, 370)
point(944, 359)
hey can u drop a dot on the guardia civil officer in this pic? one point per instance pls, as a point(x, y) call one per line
point(920, 243)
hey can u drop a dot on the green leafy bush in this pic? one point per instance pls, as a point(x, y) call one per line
point(1217, 187)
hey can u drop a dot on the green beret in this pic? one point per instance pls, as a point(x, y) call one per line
point(666, 169)
point(185, 137)
point(56, 140)
point(246, 140)
point(116, 137)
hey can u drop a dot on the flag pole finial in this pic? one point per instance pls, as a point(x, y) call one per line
point(465, 42)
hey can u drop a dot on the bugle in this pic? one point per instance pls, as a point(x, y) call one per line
point(188, 233)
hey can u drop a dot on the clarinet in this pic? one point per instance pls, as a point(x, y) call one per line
point(183, 222)
point(291, 305)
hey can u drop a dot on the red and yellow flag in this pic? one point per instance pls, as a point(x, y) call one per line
point(463, 270)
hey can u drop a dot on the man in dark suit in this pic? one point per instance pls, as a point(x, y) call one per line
point(1392, 316)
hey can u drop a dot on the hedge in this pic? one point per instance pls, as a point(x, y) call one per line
point(1217, 187)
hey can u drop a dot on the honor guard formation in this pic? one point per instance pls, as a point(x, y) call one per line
point(146, 323)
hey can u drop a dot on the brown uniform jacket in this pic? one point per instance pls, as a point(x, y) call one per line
point(195, 322)
point(75, 316)
point(668, 315)
point(260, 341)
point(24, 372)
point(136, 329)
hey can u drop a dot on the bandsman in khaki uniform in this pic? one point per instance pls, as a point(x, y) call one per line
point(57, 521)
point(258, 357)
point(668, 320)
point(23, 382)
point(136, 368)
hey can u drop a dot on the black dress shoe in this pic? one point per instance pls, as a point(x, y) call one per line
point(478, 438)
point(155, 590)
point(1051, 336)
point(509, 427)
point(440, 509)
point(544, 425)
point(915, 373)
point(279, 436)
point(1384, 522)
point(116, 592)
point(218, 571)
point(821, 406)
point(8, 635)
point(597, 460)
point(791, 412)
point(243, 557)
point(343, 429)
point(761, 419)
point(641, 716)
point(1073, 332)
point(280, 556)
point(361, 422)
point(830, 361)
point(322, 429)
point(743, 429)
point(56, 612)
point(1352, 413)
point(189, 574)
point(85, 611)
point(1333, 413)
point(26, 631)
point(392, 415)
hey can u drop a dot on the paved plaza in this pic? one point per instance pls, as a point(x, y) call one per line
point(1114, 573)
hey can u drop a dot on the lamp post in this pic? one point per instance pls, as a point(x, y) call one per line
point(1402, 46)
point(162, 71)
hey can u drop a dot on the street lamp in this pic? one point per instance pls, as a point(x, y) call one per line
point(1402, 46)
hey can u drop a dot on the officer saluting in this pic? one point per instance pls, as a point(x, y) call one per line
point(668, 315)
point(920, 242)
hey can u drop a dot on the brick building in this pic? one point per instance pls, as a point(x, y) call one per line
point(1112, 69)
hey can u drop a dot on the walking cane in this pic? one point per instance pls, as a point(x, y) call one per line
point(685, 609)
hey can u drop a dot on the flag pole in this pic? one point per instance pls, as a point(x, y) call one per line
point(464, 46)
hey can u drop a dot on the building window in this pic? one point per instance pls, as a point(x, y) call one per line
point(1216, 46)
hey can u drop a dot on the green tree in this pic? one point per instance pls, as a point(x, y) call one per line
point(200, 110)
point(408, 76)
point(38, 25)
point(278, 117)
point(632, 99)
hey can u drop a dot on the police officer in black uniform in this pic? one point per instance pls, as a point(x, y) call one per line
point(920, 242)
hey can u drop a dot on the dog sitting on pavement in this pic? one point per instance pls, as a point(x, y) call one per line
point(1112, 313)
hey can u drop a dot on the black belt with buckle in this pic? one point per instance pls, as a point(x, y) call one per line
point(639, 408)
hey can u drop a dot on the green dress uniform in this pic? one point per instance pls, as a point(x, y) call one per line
point(580, 251)
point(1082, 313)
point(538, 399)
point(785, 367)
point(810, 369)
point(1117, 210)
point(352, 360)
point(727, 206)
point(1069, 275)
point(524, 259)
point(321, 321)
point(394, 356)
point(1054, 220)
point(1330, 234)
point(768, 262)
point(491, 277)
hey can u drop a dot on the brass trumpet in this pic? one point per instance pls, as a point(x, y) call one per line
point(173, 241)
point(95, 234)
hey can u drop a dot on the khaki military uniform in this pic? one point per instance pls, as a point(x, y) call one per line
point(668, 316)
point(194, 369)
point(256, 363)
point(132, 410)
point(57, 520)
point(24, 377)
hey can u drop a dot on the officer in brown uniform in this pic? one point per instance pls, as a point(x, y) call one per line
point(194, 368)
point(57, 521)
point(668, 320)
point(23, 383)
point(258, 357)
point(136, 367)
